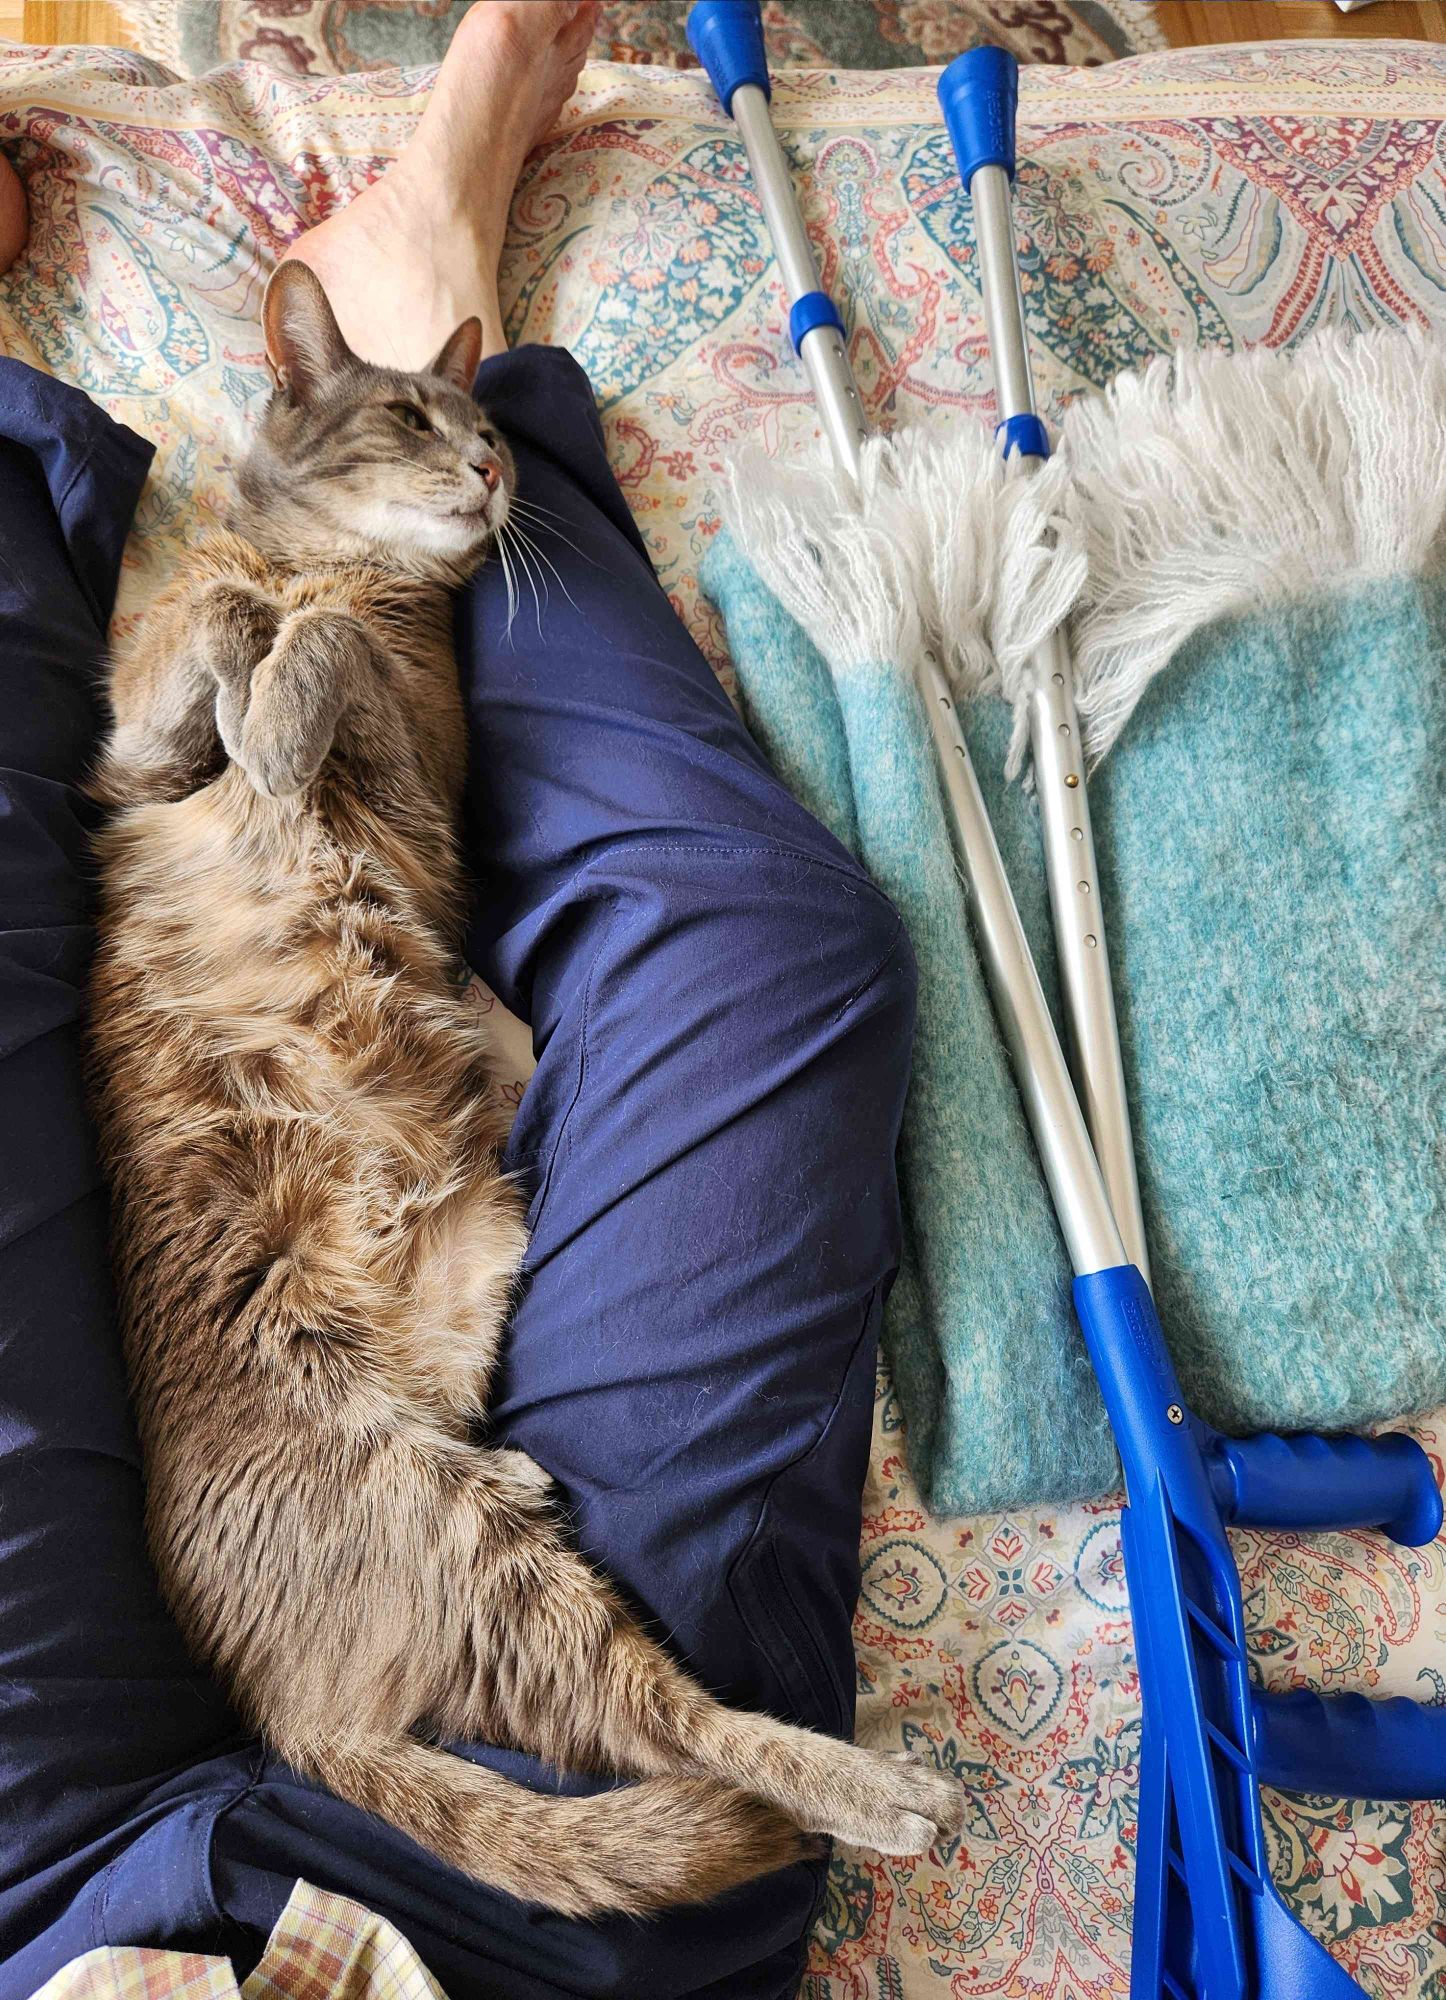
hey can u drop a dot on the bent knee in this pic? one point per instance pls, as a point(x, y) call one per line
point(853, 954)
point(769, 944)
point(713, 985)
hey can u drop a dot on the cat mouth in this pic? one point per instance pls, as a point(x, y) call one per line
point(472, 513)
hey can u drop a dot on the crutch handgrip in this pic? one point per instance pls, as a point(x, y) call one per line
point(1312, 1483)
point(727, 38)
point(979, 92)
point(1350, 1747)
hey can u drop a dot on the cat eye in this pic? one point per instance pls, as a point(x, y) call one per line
point(410, 415)
point(489, 438)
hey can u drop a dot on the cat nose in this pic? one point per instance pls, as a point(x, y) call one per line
point(491, 476)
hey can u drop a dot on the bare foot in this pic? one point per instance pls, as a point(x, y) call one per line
point(417, 252)
point(14, 220)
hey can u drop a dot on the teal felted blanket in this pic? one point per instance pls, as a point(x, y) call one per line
point(991, 1372)
point(1273, 865)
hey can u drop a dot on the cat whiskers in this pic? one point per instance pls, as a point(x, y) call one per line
point(533, 513)
point(507, 535)
point(513, 599)
point(534, 560)
point(543, 558)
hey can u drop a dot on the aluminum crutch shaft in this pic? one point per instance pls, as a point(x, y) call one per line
point(977, 91)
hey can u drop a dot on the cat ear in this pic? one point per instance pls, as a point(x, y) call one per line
point(457, 362)
point(303, 341)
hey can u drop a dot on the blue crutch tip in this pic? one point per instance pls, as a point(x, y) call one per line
point(979, 92)
point(1024, 435)
point(727, 38)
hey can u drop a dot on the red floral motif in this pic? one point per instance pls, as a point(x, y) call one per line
point(287, 51)
point(1009, 1580)
point(894, 1520)
point(1335, 175)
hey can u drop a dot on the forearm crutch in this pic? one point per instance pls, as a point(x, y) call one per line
point(1209, 1922)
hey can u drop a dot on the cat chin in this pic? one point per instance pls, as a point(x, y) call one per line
point(418, 534)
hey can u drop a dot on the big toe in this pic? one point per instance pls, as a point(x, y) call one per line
point(533, 25)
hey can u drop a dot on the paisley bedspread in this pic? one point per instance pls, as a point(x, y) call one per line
point(1224, 196)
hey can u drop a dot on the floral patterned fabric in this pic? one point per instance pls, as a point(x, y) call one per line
point(1225, 195)
point(313, 37)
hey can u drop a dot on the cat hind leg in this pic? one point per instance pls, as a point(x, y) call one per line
point(586, 1687)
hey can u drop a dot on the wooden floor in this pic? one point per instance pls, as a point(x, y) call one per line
point(62, 21)
point(1190, 22)
point(1187, 23)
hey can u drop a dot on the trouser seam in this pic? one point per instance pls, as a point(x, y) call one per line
point(872, 977)
point(564, 1131)
point(782, 1473)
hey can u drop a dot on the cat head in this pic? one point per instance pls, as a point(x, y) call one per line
point(355, 462)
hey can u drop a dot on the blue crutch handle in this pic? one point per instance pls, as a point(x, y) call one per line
point(1312, 1482)
point(727, 38)
point(1350, 1747)
point(979, 92)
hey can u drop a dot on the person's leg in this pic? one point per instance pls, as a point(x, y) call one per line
point(100, 1701)
point(417, 252)
point(722, 1006)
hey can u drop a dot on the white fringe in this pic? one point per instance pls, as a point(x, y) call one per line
point(1216, 483)
point(1042, 569)
point(1206, 485)
point(940, 539)
point(826, 553)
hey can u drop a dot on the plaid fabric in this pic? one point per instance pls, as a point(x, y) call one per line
point(323, 1948)
point(127, 1972)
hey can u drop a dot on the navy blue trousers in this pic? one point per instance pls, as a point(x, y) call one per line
point(722, 1009)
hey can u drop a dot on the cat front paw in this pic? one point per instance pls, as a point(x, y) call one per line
point(236, 628)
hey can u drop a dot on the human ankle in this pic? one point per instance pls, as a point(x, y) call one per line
point(460, 182)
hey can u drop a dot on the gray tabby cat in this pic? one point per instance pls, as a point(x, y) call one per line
point(314, 1237)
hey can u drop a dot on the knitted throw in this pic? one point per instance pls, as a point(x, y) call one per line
point(1252, 550)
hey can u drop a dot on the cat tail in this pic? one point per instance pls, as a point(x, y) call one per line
point(639, 1849)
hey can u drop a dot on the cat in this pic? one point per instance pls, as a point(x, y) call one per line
point(315, 1241)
